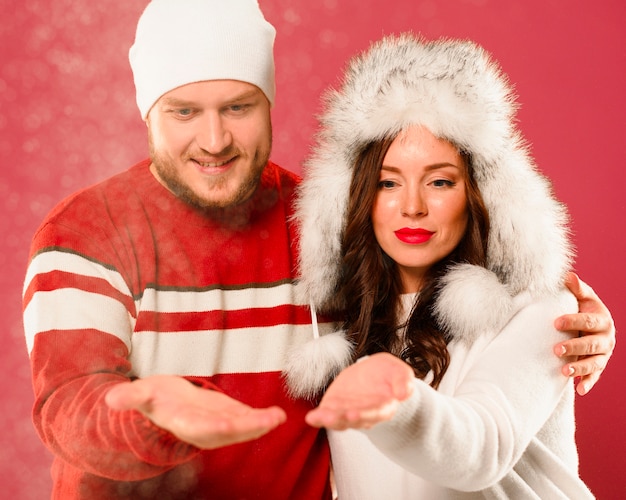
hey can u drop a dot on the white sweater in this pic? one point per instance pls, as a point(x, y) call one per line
point(501, 424)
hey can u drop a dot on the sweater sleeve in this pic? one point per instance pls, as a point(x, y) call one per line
point(506, 390)
point(79, 315)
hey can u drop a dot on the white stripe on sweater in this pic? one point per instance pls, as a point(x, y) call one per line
point(61, 310)
point(69, 262)
point(168, 301)
point(205, 353)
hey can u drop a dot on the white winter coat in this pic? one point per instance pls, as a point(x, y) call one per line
point(501, 424)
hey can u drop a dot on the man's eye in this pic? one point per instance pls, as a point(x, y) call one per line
point(183, 112)
point(238, 108)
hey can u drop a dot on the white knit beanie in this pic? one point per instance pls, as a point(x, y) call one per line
point(186, 41)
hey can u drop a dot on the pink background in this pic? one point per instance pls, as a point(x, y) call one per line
point(68, 119)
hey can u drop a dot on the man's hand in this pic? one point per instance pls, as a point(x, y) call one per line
point(204, 418)
point(364, 394)
point(597, 341)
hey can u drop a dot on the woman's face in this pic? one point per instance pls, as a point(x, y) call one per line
point(420, 210)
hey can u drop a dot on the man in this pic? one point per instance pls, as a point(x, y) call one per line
point(178, 275)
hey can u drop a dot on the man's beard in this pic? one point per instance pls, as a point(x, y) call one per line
point(166, 169)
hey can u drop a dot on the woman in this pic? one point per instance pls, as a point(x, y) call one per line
point(425, 223)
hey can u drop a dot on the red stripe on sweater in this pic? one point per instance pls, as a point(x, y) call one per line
point(223, 320)
point(55, 280)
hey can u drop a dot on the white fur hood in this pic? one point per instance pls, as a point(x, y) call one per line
point(458, 92)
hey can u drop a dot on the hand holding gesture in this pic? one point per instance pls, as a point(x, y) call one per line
point(364, 394)
point(204, 418)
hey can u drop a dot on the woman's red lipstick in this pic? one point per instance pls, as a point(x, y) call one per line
point(413, 236)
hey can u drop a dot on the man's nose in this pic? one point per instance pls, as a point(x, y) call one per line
point(214, 135)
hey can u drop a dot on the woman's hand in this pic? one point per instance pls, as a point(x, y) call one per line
point(364, 394)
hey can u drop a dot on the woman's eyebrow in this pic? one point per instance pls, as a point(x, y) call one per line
point(434, 166)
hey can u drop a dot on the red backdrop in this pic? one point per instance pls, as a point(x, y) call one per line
point(68, 119)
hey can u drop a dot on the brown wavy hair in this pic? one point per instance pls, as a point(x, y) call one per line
point(370, 285)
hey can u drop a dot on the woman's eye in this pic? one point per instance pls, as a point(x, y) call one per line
point(386, 184)
point(442, 183)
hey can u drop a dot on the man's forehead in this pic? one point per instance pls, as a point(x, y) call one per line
point(211, 90)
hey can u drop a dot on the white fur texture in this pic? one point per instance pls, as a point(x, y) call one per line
point(472, 301)
point(311, 366)
point(456, 91)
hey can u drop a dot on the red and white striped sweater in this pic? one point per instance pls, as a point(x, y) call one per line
point(125, 281)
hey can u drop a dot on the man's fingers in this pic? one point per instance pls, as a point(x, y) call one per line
point(586, 322)
point(210, 431)
point(587, 370)
point(255, 424)
point(204, 418)
point(579, 288)
point(585, 366)
point(596, 340)
point(587, 345)
point(574, 284)
point(128, 396)
point(586, 383)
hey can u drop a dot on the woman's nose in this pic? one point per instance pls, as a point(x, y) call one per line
point(413, 204)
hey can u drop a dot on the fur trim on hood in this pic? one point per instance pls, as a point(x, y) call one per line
point(455, 90)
